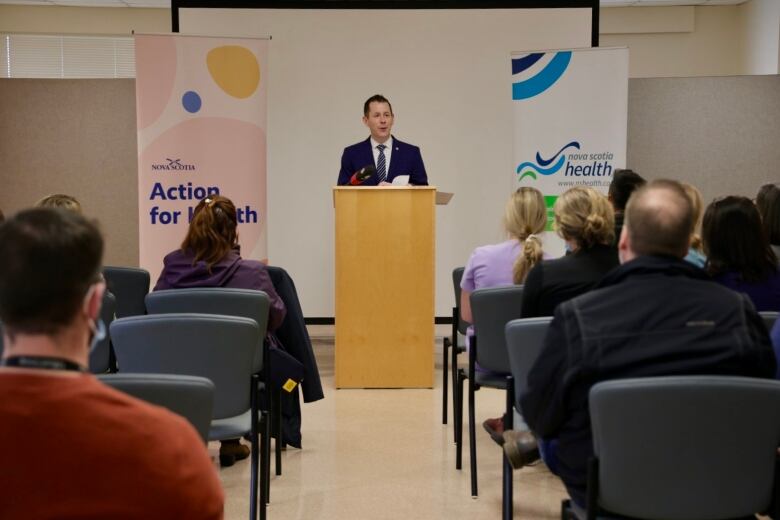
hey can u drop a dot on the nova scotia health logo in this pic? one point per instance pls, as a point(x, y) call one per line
point(531, 85)
point(545, 166)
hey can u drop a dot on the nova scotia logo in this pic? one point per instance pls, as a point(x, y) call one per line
point(534, 83)
point(173, 165)
point(545, 166)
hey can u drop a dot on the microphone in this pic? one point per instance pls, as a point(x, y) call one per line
point(361, 175)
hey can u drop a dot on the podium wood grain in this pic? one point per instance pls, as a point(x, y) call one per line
point(385, 247)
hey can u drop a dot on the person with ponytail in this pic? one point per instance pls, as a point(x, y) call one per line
point(584, 218)
point(210, 256)
point(508, 262)
point(696, 251)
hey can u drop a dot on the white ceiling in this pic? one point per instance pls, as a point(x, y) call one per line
point(167, 4)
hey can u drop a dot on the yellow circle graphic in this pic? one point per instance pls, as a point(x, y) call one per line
point(234, 69)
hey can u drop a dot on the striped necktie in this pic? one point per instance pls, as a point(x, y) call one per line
point(381, 174)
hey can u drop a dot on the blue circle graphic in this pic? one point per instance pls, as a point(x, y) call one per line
point(191, 101)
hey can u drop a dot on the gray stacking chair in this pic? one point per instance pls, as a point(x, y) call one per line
point(100, 357)
point(129, 285)
point(217, 300)
point(192, 397)
point(247, 303)
point(219, 348)
point(769, 318)
point(459, 327)
point(491, 309)
point(683, 447)
point(524, 341)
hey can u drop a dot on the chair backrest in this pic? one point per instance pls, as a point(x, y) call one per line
point(492, 308)
point(129, 285)
point(457, 276)
point(246, 303)
point(99, 358)
point(219, 348)
point(524, 340)
point(769, 317)
point(682, 447)
point(192, 397)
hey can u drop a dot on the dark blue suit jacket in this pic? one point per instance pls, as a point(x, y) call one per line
point(404, 160)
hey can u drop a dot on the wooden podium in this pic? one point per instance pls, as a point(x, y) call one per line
point(385, 254)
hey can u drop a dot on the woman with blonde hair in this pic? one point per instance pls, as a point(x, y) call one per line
point(210, 256)
point(506, 263)
point(584, 218)
point(695, 252)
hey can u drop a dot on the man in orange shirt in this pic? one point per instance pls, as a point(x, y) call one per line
point(70, 446)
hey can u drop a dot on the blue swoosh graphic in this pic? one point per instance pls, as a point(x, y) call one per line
point(543, 162)
point(543, 171)
point(520, 64)
point(544, 80)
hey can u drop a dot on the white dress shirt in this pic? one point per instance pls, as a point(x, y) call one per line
point(388, 153)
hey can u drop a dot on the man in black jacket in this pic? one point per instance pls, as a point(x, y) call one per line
point(655, 315)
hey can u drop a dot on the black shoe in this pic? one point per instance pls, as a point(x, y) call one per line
point(225, 461)
point(230, 451)
point(520, 448)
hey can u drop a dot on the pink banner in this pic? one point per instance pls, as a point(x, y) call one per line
point(201, 110)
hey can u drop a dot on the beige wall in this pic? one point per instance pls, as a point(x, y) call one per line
point(83, 20)
point(760, 20)
point(664, 41)
point(676, 41)
point(685, 41)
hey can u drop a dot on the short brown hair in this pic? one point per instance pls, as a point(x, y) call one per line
point(660, 219)
point(376, 98)
point(48, 260)
point(212, 233)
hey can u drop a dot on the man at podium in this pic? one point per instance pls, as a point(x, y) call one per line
point(380, 158)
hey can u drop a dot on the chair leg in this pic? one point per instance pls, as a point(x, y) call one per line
point(267, 455)
point(278, 444)
point(454, 368)
point(254, 473)
point(459, 421)
point(592, 497)
point(472, 420)
point(506, 504)
point(445, 370)
point(472, 439)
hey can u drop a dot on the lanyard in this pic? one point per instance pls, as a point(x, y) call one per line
point(46, 363)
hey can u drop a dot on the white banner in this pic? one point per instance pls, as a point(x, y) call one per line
point(201, 110)
point(571, 116)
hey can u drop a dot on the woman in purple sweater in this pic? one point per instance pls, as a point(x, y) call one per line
point(210, 257)
point(738, 251)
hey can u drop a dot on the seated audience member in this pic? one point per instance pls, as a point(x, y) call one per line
point(695, 251)
point(624, 183)
point(507, 263)
point(585, 220)
point(71, 446)
point(655, 315)
point(210, 257)
point(60, 200)
point(738, 252)
point(768, 204)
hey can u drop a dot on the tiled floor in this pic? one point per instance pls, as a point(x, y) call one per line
point(382, 454)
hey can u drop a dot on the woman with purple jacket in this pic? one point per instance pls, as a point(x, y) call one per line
point(210, 257)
